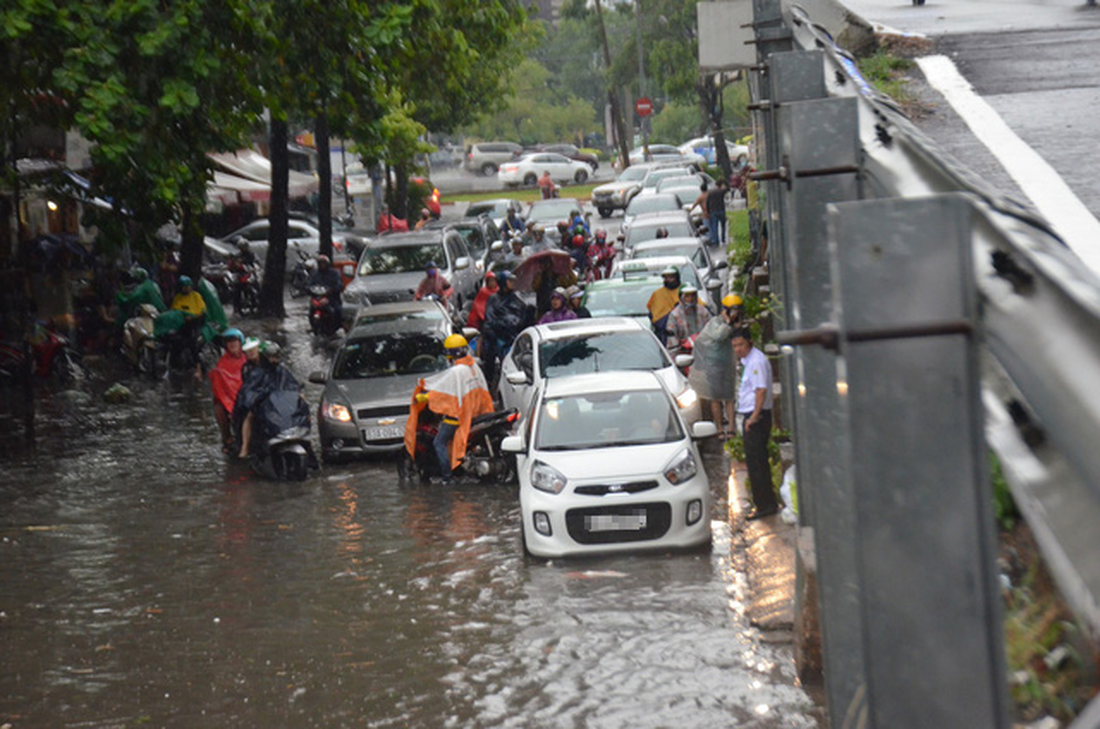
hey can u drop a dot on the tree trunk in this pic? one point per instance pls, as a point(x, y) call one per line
point(401, 191)
point(271, 294)
point(612, 94)
point(710, 103)
point(324, 173)
point(192, 240)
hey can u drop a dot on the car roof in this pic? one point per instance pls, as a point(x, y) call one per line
point(667, 243)
point(581, 327)
point(611, 381)
point(657, 262)
point(413, 238)
point(398, 325)
point(661, 217)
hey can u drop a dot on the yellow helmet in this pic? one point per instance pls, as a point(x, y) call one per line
point(731, 300)
point(455, 341)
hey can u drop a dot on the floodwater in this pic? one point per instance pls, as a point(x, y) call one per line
point(146, 580)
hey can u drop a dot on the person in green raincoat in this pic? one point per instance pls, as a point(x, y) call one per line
point(145, 292)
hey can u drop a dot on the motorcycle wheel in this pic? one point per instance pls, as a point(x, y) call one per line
point(65, 367)
point(146, 361)
point(247, 302)
point(406, 469)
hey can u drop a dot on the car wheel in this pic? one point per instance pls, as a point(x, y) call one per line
point(530, 179)
point(488, 169)
point(580, 177)
point(604, 212)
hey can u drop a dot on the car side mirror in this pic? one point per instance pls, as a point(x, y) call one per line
point(703, 429)
point(514, 443)
point(517, 377)
point(497, 246)
point(317, 377)
point(462, 263)
point(721, 264)
point(469, 333)
point(684, 360)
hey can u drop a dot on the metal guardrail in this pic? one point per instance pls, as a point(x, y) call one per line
point(891, 254)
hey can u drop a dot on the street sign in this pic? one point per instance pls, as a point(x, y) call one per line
point(643, 107)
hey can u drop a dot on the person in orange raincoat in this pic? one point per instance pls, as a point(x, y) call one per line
point(457, 395)
point(225, 380)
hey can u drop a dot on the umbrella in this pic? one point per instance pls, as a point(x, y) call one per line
point(560, 261)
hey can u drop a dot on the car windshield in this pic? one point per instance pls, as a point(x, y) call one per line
point(641, 233)
point(620, 300)
point(687, 250)
point(657, 175)
point(475, 241)
point(600, 352)
point(606, 420)
point(400, 259)
point(494, 209)
point(679, 182)
point(369, 319)
point(552, 210)
point(633, 174)
point(389, 355)
point(652, 204)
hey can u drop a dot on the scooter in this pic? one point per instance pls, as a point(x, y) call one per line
point(243, 282)
point(53, 357)
point(322, 314)
point(139, 345)
point(281, 450)
point(484, 458)
point(299, 278)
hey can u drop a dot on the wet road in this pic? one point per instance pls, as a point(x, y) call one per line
point(144, 580)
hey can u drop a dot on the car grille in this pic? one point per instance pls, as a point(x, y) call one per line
point(616, 488)
point(387, 412)
point(658, 519)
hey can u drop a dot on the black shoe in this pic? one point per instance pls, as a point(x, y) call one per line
point(761, 513)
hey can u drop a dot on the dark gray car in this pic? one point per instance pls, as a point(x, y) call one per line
point(370, 383)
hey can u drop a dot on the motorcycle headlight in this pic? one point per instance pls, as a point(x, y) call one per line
point(681, 468)
point(546, 478)
point(335, 411)
point(687, 398)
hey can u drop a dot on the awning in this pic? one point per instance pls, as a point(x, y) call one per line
point(231, 189)
point(251, 165)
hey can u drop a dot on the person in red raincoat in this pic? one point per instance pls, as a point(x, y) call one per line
point(225, 379)
point(477, 311)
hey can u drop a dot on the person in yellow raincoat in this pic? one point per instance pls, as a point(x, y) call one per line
point(458, 395)
point(663, 301)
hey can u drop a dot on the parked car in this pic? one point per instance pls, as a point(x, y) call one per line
point(658, 173)
point(548, 213)
point(528, 169)
point(648, 204)
point(487, 157)
point(693, 248)
point(608, 465)
point(612, 196)
point(666, 153)
point(302, 235)
point(497, 210)
point(365, 402)
point(704, 147)
point(479, 233)
point(644, 227)
point(392, 266)
point(572, 152)
point(546, 351)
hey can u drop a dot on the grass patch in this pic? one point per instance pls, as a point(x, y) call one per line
point(886, 72)
point(524, 194)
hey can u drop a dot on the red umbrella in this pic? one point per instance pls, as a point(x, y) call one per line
point(560, 262)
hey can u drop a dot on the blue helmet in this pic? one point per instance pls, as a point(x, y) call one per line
point(232, 333)
point(184, 281)
point(504, 276)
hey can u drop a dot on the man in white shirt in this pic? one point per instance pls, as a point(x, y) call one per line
point(754, 404)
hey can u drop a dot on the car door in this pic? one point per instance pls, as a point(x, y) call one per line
point(561, 168)
point(463, 273)
point(520, 360)
point(300, 237)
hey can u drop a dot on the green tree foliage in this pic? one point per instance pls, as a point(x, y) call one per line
point(675, 123)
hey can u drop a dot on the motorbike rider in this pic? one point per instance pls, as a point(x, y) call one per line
point(578, 251)
point(191, 304)
point(538, 240)
point(559, 308)
point(425, 218)
point(505, 317)
point(688, 318)
point(512, 227)
point(663, 301)
point(245, 258)
point(576, 302)
point(547, 186)
point(601, 254)
point(434, 284)
point(477, 310)
point(330, 279)
point(576, 220)
point(516, 254)
point(458, 395)
point(267, 377)
point(145, 292)
point(662, 233)
point(225, 381)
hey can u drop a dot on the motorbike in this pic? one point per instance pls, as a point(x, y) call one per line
point(322, 314)
point(139, 345)
point(680, 350)
point(281, 450)
point(299, 277)
point(52, 357)
point(243, 283)
point(484, 458)
point(180, 350)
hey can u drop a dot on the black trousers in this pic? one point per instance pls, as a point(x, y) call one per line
point(756, 458)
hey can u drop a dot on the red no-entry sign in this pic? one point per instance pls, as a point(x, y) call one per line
point(643, 106)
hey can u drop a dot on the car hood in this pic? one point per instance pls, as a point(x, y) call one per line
point(614, 465)
point(674, 379)
point(375, 391)
point(388, 286)
point(613, 187)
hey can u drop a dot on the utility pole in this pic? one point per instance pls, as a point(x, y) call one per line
point(643, 122)
point(616, 112)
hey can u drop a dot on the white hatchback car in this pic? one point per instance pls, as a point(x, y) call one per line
point(527, 170)
point(606, 464)
point(546, 351)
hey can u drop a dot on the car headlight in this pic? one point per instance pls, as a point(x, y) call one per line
point(335, 411)
point(687, 398)
point(546, 478)
point(681, 468)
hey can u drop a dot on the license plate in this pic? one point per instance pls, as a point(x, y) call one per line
point(615, 522)
point(385, 432)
